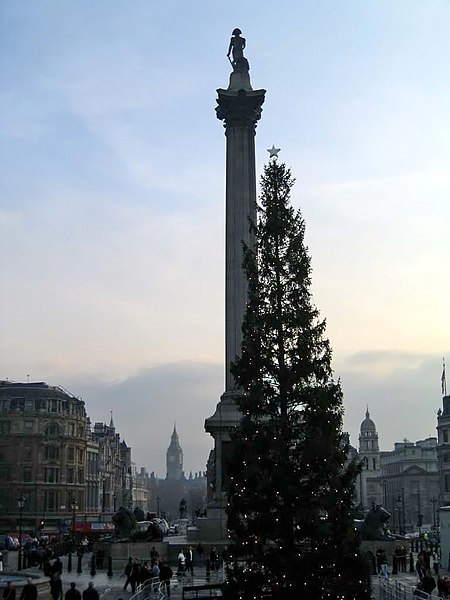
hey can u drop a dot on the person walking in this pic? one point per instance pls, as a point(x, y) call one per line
point(181, 562)
point(90, 593)
point(200, 551)
point(56, 590)
point(29, 591)
point(189, 560)
point(165, 575)
point(127, 573)
point(9, 593)
point(72, 593)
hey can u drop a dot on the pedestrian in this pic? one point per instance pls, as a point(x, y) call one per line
point(29, 591)
point(56, 590)
point(214, 559)
point(436, 563)
point(57, 566)
point(90, 593)
point(154, 554)
point(383, 565)
point(165, 575)
point(135, 574)
point(189, 560)
point(181, 562)
point(72, 593)
point(200, 551)
point(127, 573)
point(9, 593)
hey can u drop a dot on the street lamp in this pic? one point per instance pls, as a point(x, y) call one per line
point(158, 500)
point(73, 505)
point(21, 503)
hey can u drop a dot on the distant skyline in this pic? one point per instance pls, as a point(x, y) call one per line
point(112, 201)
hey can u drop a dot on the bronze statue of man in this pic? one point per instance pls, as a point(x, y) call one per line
point(236, 48)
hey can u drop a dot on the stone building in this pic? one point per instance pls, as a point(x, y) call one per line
point(410, 484)
point(51, 458)
point(43, 451)
point(443, 451)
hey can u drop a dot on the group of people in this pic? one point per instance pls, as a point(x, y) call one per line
point(148, 572)
point(30, 591)
point(186, 560)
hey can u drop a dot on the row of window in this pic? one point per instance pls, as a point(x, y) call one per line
point(52, 475)
point(51, 405)
point(28, 426)
point(52, 452)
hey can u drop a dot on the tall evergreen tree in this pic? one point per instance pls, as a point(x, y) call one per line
point(290, 500)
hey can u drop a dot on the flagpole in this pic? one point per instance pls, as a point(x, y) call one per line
point(443, 379)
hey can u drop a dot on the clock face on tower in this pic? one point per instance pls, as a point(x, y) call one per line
point(172, 459)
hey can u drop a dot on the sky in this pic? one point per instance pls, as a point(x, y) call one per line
point(112, 201)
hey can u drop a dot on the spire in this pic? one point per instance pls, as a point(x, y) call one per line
point(174, 432)
point(367, 412)
point(111, 422)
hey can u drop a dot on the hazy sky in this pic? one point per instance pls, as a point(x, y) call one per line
point(112, 200)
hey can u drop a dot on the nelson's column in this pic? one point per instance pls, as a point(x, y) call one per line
point(239, 107)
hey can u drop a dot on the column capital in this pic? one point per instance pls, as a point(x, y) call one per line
point(239, 108)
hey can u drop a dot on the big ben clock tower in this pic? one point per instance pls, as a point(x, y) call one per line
point(174, 457)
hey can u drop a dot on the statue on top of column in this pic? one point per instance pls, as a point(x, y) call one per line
point(236, 48)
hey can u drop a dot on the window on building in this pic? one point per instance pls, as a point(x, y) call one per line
point(53, 430)
point(70, 475)
point(51, 501)
point(29, 405)
point(447, 483)
point(51, 453)
point(5, 427)
point(71, 454)
point(27, 453)
point(71, 429)
point(54, 406)
point(18, 404)
point(26, 474)
point(445, 435)
point(40, 404)
point(80, 475)
point(80, 455)
point(51, 474)
point(446, 457)
point(28, 426)
point(374, 464)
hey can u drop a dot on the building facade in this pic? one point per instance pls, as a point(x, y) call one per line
point(50, 457)
point(443, 451)
point(410, 483)
point(43, 451)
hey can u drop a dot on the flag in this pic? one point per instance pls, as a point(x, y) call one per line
point(443, 381)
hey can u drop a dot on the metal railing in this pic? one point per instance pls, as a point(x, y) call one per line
point(394, 590)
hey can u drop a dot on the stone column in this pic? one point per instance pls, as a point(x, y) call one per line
point(240, 108)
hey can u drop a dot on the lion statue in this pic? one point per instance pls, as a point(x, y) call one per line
point(373, 526)
point(124, 523)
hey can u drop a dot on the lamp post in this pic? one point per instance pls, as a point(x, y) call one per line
point(73, 505)
point(158, 500)
point(21, 503)
point(434, 500)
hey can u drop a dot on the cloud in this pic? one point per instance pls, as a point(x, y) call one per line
point(401, 389)
point(147, 404)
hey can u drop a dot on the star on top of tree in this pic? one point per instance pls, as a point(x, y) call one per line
point(273, 152)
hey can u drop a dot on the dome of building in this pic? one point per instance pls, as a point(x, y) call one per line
point(368, 424)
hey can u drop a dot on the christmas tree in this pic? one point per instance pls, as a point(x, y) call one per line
point(291, 488)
